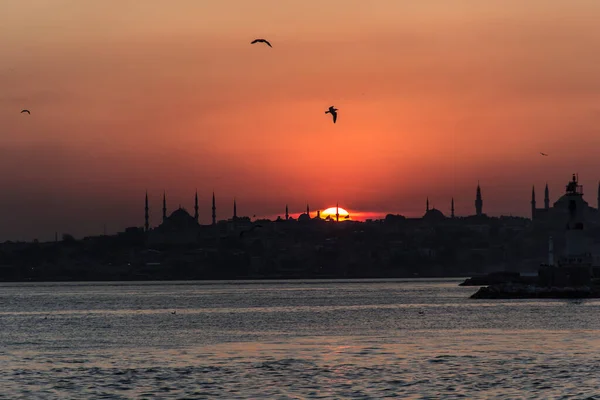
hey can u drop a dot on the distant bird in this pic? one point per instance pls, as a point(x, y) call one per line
point(333, 111)
point(261, 41)
point(421, 312)
point(347, 216)
point(544, 154)
point(26, 111)
point(174, 312)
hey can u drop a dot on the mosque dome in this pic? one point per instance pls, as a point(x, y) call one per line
point(434, 214)
point(303, 217)
point(179, 219)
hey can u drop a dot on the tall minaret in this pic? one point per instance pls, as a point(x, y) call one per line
point(427, 204)
point(164, 206)
point(234, 209)
point(337, 212)
point(533, 202)
point(308, 211)
point(287, 215)
point(196, 207)
point(146, 215)
point(452, 208)
point(214, 211)
point(546, 197)
point(598, 200)
point(478, 201)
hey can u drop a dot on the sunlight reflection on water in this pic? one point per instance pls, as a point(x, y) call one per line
point(408, 339)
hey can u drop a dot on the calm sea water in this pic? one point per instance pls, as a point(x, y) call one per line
point(412, 339)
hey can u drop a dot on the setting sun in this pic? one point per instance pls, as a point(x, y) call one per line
point(330, 212)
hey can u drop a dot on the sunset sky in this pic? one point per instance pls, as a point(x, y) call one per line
point(128, 96)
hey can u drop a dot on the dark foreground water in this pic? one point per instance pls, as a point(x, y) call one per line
point(372, 339)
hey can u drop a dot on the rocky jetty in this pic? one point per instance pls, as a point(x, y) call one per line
point(521, 291)
point(496, 278)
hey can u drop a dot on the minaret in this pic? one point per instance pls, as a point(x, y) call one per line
point(427, 204)
point(196, 207)
point(319, 214)
point(452, 208)
point(478, 201)
point(214, 211)
point(337, 212)
point(234, 209)
point(533, 202)
point(164, 206)
point(287, 215)
point(308, 211)
point(598, 200)
point(546, 198)
point(146, 215)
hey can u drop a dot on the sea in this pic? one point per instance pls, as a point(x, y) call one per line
point(309, 339)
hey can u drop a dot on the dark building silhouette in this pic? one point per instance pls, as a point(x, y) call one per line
point(556, 213)
point(164, 206)
point(196, 207)
point(214, 210)
point(533, 202)
point(478, 202)
point(146, 215)
point(452, 208)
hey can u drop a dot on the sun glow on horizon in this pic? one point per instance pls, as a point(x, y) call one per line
point(331, 211)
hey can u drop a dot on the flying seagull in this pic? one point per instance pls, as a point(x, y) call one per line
point(544, 154)
point(27, 111)
point(333, 111)
point(261, 41)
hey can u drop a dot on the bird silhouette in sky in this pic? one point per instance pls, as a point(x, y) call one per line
point(544, 154)
point(26, 111)
point(261, 41)
point(333, 111)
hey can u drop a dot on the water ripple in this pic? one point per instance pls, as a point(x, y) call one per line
point(292, 340)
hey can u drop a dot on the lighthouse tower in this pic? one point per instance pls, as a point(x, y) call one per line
point(576, 249)
point(574, 267)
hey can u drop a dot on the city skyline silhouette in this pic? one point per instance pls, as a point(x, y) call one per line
point(434, 99)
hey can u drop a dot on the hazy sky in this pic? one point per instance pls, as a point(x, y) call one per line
point(433, 96)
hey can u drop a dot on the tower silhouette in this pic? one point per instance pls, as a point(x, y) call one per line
point(598, 199)
point(164, 206)
point(287, 215)
point(452, 208)
point(427, 204)
point(308, 211)
point(337, 212)
point(146, 215)
point(234, 209)
point(533, 202)
point(546, 197)
point(196, 207)
point(478, 201)
point(214, 210)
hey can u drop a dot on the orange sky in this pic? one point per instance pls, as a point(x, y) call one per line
point(433, 95)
